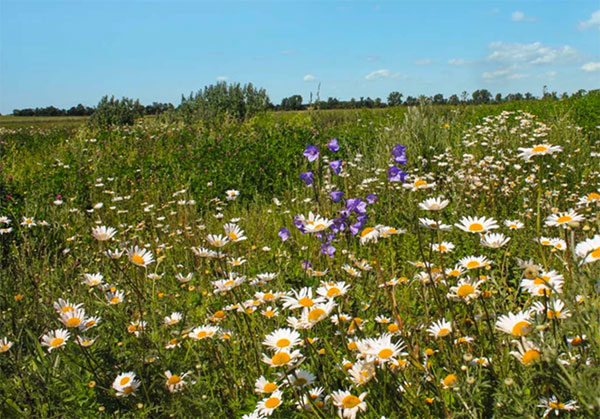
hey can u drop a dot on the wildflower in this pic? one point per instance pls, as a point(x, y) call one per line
point(270, 312)
point(474, 262)
point(114, 254)
point(314, 223)
point(85, 341)
point(543, 284)
point(369, 234)
point(552, 404)
point(558, 244)
point(282, 339)
point(234, 232)
point(382, 349)
point(589, 249)
point(418, 184)
point(140, 257)
point(173, 318)
point(103, 233)
point(203, 332)
point(224, 285)
point(307, 178)
point(114, 297)
point(396, 175)
point(514, 224)
point(5, 345)
point(262, 385)
point(476, 224)
point(136, 327)
point(282, 358)
point(332, 289)
point(92, 280)
point(514, 324)
point(399, 153)
point(553, 310)
point(494, 240)
point(55, 339)
point(563, 219)
point(333, 145)
point(73, 318)
point(5, 220)
point(351, 271)
point(217, 240)
point(336, 196)
point(64, 306)
point(433, 224)
point(267, 406)
point(361, 372)
point(301, 299)
point(538, 150)
point(301, 378)
point(348, 405)
point(284, 234)
point(336, 166)
point(443, 247)
point(232, 194)
point(175, 382)
point(183, 278)
point(434, 204)
point(126, 384)
point(526, 352)
point(28, 222)
point(449, 381)
point(466, 290)
point(311, 153)
point(440, 329)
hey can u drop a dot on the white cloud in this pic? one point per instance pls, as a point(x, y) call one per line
point(309, 77)
point(589, 67)
point(456, 61)
point(384, 73)
point(593, 21)
point(519, 16)
point(222, 78)
point(535, 53)
point(505, 73)
point(424, 61)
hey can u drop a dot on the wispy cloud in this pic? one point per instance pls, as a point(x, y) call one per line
point(518, 16)
point(506, 73)
point(424, 61)
point(384, 73)
point(592, 22)
point(456, 61)
point(222, 78)
point(590, 67)
point(309, 77)
point(535, 53)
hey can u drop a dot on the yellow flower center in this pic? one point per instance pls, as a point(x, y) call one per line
point(564, 219)
point(315, 314)
point(280, 358)
point(128, 390)
point(73, 322)
point(475, 227)
point(472, 264)
point(270, 387)
point(576, 341)
point(366, 231)
point(556, 405)
point(56, 342)
point(124, 381)
point(450, 379)
point(233, 236)
point(539, 149)
point(385, 353)
point(593, 197)
point(268, 296)
point(443, 332)
point(420, 182)
point(137, 259)
point(173, 380)
point(306, 302)
point(300, 381)
point(530, 356)
point(333, 291)
point(201, 334)
point(269, 313)
point(595, 253)
point(66, 309)
point(272, 403)
point(282, 343)
point(4, 348)
point(465, 290)
point(392, 328)
point(350, 401)
point(521, 328)
point(553, 314)
point(114, 300)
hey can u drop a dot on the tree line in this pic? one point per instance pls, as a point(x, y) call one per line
point(80, 110)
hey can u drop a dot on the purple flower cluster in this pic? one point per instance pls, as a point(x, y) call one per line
point(395, 174)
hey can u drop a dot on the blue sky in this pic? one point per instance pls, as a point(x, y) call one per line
point(67, 52)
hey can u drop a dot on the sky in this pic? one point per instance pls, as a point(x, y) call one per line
point(63, 53)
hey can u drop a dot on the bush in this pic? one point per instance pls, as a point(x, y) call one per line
point(111, 112)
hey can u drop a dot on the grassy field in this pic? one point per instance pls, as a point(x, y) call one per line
point(443, 262)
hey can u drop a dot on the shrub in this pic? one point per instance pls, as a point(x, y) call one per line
point(111, 112)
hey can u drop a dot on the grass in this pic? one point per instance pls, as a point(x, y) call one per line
point(163, 187)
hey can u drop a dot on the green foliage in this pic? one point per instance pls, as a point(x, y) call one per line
point(222, 100)
point(115, 112)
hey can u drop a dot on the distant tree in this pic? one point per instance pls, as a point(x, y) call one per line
point(453, 100)
point(394, 99)
point(439, 99)
point(529, 96)
point(112, 112)
point(481, 96)
point(292, 103)
point(498, 98)
point(464, 97)
point(411, 101)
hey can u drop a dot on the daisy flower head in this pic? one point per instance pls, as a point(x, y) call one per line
point(173, 318)
point(515, 324)
point(262, 385)
point(140, 257)
point(232, 194)
point(433, 224)
point(434, 204)
point(85, 341)
point(351, 271)
point(314, 222)
point(466, 290)
point(369, 234)
point(28, 222)
point(494, 240)
point(64, 306)
point(217, 240)
point(474, 262)
point(555, 310)
point(514, 224)
point(55, 339)
point(476, 224)
point(443, 247)
point(103, 233)
point(316, 313)
point(552, 405)
point(440, 329)
point(361, 372)
point(114, 254)
point(5, 345)
point(564, 219)
point(126, 384)
point(203, 332)
point(589, 199)
point(558, 244)
point(589, 249)
point(543, 284)
point(387, 231)
point(91, 280)
point(449, 381)
point(527, 352)
point(301, 378)
point(418, 184)
point(282, 339)
point(283, 358)
point(5, 220)
point(333, 289)
point(348, 404)
point(175, 383)
point(301, 299)
point(73, 318)
point(538, 150)
point(382, 349)
point(268, 405)
point(234, 232)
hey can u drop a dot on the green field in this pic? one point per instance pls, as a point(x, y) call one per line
point(391, 303)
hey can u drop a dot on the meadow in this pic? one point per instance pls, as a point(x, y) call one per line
point(407, 262)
